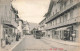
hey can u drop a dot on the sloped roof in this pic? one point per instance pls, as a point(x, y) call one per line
point(50, 8)
point(52, 2)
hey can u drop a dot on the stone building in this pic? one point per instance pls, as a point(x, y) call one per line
point(8, 24)
point(62, 20)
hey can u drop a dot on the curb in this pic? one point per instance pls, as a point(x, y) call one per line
point(70, 48)
point(16, 44)
point(63, 43)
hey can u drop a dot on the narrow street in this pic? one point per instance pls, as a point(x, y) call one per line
point(39, 25)
point(29, 43)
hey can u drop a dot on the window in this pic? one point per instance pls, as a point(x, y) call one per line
point(55, 32)
point(71, 13)
point(6, 31)
point(53, 13)
point(65, 17)
point(65, 4)
point(59, 19)
point(53, 22)
point(10, 31)
point(50, 23)
point(61, 6)
point(56, 10)
point(62, 19)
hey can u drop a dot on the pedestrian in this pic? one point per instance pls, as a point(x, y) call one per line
point(6, 40)
point(9, 40)
point(17, 37)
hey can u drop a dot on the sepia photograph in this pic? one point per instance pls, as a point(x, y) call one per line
point(39, 25)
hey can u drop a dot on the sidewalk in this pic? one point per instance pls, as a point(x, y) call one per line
point(13, 45)
point(66, 45)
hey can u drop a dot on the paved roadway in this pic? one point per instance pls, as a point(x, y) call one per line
point(29, 43)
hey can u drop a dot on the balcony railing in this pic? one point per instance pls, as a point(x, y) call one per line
point(68, 22)
point(63, 10)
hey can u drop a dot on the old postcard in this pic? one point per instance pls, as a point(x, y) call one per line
point(39, 25)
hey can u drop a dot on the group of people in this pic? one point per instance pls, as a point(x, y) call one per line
point(9, 38)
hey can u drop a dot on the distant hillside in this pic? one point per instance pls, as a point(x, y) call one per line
point(33, 25)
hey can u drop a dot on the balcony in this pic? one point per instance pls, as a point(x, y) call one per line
point(8, 21)
point(68, 22)
point(5, 20)
point(50, 18)
point(70, 6)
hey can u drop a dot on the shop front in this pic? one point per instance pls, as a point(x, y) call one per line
point(66, 33)
point(8, 35)
point(54, 34)
point(49, 33)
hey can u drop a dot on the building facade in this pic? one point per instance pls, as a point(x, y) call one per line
point(42, 26)
point(62, 20)
point(20, 25)
point(8, 24)
point(26, 28)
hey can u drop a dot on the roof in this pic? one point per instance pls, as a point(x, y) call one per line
point(43, 20)
point(14, 10)
point(50, 8)
point(25, 22)
point(17, 16)
point(20, 20)
point(52, 2)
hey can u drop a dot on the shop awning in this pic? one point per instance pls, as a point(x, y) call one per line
point(61, 28)
point(8, 25)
